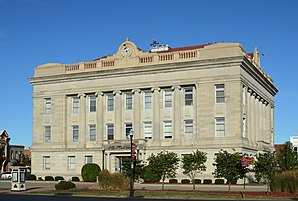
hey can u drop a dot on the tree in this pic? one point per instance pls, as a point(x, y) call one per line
point(165, 164)
point(228, 166)
point(265, 168)
point(90, 172)
point(194, 163)
point(126, 167)
point(287, 158)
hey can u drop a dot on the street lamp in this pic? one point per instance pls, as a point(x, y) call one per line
point(131, 165)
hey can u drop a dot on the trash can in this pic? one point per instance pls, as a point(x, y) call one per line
point(18, 182)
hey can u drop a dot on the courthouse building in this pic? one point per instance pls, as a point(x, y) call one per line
point(207, 97)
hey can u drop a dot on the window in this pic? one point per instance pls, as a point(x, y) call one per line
point(167, 129)
point(110, 102)
point(48, 106)
point(188, 96)
point(71, 162)
point(75, 104)
point(188, 128)
point(46, 163)
point(88, 159)
point(147, 130)
point(219, 127)
point(128, 101)
point(128, 127)
point(168, 98)
point(148, 100)
point(47, 133)
point(110, 131)
point(220, 93)
point(92, 103)
point(75, 133)
point(92, 132)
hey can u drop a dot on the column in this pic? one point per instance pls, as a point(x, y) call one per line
point(262, 138)
point(267, 122)
point(272, 124)
point(119, 132)
point(249, 115)
point(137, 122)
point(196, 128)
point(177, 113)
point(157, 136)
point(82, 121)
point(99, 117)
point(257, 108)
point(253, 118)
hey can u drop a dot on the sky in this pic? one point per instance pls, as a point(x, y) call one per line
point(35, 32)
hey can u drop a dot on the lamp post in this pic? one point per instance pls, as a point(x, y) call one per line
point(131, 165)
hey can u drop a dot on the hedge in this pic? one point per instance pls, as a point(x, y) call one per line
point(219, 181)
point(57, 178)
point(173, 181)
point(65, 185)
point(75, 179)
point(207, 181)
point(198, 181)
point(185, 181)
point(90, 172)
point(49, 178)
point(31, 177)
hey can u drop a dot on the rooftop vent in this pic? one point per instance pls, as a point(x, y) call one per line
point(156, 47)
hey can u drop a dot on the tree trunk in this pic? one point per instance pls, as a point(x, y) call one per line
point(193, 185)
point(229, 186)
point(163, 184)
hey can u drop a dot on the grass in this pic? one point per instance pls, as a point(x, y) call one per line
point(162, 194)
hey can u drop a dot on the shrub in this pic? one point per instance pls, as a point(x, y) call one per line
point(198, 181)
point(57, 178)
point(40, 179)
point(31, 177)
point(185, 181)
point(49, 178)
point(219, 181)
point(150, 175)
point(285, 182)
point(65, 185)
point(90, 172)
point(75, 179)
point(173, 181)
point(207, 181)
point(115, 181)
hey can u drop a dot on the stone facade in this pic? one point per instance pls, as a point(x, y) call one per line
point(207, 97)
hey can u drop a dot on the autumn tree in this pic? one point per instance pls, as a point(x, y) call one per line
point(165, 164)
point(193, 164)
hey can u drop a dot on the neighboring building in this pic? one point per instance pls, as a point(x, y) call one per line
point(294, 141)
point(207, 97)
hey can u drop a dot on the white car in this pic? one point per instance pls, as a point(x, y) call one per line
point(6, 175)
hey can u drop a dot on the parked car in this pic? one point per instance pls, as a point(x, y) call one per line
point(6, 175)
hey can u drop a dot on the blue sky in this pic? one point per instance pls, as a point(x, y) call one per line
point(34, 32)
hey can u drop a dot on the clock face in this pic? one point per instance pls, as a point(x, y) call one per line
point(127, 50)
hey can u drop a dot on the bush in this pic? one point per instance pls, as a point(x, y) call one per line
point(198, 181)
point(219, 181)
point(185, 181)
point(207, 181)
point(31, 177)
point(150, 175)
point(173, 181)
point(75, 179)
point(65, 185)
point(285, 182)
point(115, 181)
point(49, 178)
point(40, 179)
point(90, 172)
point(57, 178)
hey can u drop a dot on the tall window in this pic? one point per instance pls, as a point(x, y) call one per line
point(148, 100)
point(128, 127)
point(47, 133)
point(75, 133)
point(75, 104)
point(220, 93)
point(71, 162)
point(46, 163)
point(110, 131)
point(167, 130)
point(47, 106)
point(147, 130)
point(128, 101)
point(188, 128)
point(188, 96)
point(88, 159)
point(168, 98)
point(219, 127)
point(110, 102)
point(92, 132)
point(92, 103)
